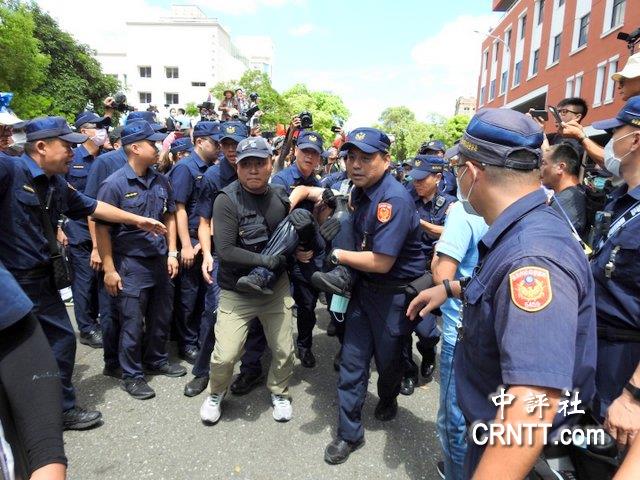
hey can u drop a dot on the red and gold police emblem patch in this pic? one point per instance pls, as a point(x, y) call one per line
point(530, 288)
point(384, 212)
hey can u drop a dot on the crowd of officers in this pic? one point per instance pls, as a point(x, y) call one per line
point(490, 245)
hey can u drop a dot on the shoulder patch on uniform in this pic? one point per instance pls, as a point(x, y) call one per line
point(530, 288)
point(78, 165)
point(71, 187)
point(28, 188)
point(131, 195)
point(384, 212)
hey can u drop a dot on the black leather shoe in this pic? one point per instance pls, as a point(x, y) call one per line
point(408, 386)
point(138, 388)
point(306, 357)
point(77, 418)
point(254, 283)
point(168, 370)
point(115, 372)
point(331, 329)
point(245, 382)
point(440, 469)
point(338, 281)
point(189, 355)
point(338, 451)
point(93, 338)
point(386, 410)
point(196, 386)
point(428, 364)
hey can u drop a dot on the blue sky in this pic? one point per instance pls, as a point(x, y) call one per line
point(374, 54)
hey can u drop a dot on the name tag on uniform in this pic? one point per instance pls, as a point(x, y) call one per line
point(78, 166)
point(131, 195)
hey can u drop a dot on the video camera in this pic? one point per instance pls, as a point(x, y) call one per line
point(338, 123)
point(120, 103)
point(306, 120)
point(631, 39)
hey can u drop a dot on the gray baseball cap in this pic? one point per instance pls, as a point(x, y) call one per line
point(253, 147)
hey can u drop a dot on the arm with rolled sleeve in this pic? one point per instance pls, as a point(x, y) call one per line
point(182, 183)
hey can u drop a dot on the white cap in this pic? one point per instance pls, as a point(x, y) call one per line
point(630, 70)
point(7, 117)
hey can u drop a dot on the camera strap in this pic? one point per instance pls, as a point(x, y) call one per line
point(620, 222)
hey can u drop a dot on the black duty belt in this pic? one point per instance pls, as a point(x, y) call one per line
point(389, 286)
point(615, 334)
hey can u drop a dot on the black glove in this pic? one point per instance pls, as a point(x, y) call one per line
point(329, 198)
point(330, 228)
point(273, 262)
point(301, 219)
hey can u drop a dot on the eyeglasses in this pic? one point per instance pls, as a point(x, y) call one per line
point(564, 111)
point(456, 168)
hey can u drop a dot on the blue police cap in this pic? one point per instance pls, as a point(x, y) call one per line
point(310, 139)
point(148, 117)
point(206, 128)
point(435, 145)
point(495, 134)
point(52, 127)
point(629, 115)
point(408, 161)
point(369, 140)
point(91, 117)
point(425, 165)
point(139, 130)
point(181, 145)
point(253, 147)
point(235, 130)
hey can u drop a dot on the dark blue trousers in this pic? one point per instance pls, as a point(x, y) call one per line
point(84, 287)
point(428, 337)
point(52, 315)
point(189, 304)
point(375, 326)
point(110, 326)
point(306, 297)
point(144, 307)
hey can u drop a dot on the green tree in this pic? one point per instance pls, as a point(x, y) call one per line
point(23, 66)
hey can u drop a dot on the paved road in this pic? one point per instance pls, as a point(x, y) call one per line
point(163, 438)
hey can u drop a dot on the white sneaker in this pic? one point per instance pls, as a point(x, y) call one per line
point(210, 410)
point(281, 408)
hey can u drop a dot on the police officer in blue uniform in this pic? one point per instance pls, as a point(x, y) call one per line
point(432, 206)
point(187, 180)
point(138, 265)
point(33, 191)
point(448, 181)
point(85, 279)
point(387, 258)
point(216, 178)
point(617, 279)
point(528, 323)
point(302, 172)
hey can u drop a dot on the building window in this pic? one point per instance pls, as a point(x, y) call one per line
point(145, 72)
point(492, 89)
point(198, 84)
point(613, 68)
point(171, 98)
point(560, 3)
point(171, 72)
point(517, 71)
point(568, 91)
point(145, 97)
point(507, 37)
point(503, 82)
point(597, 95)
point(617, 13)
point(485, 60)
point(495, 52)
point(556, 48)
point(540, 11)
point(523, 25)
point(482, 90)
point(584, 30)
point(577, 85)
point(535, 62)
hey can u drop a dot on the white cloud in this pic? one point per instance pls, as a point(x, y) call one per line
point(302, 30)
point(246, 7)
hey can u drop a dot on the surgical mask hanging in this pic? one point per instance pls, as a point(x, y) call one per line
point(611, 162)
point(465, 201)
point(100, 138)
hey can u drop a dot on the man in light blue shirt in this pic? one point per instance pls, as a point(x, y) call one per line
point(456, 257)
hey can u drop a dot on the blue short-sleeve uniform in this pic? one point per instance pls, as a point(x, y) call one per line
point(77, 231)
point(292, 177)
point(103, 166)
point(332, 178)
point(215, 178)
point(529, 315)
point(617, 298)
point(151, 197)
point(433, 211)
point(14, 303)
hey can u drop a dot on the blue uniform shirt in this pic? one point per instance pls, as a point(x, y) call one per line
point(385, 221)
point(433, 211)
point(529, 316)
point(77, 231)
point(151, 197)
point(23, 244)
point(292, 177)
point(215, 179)
point(448, 183)
point(186, 180)
point(332, 178)
point(14, 303)
point(103, 166)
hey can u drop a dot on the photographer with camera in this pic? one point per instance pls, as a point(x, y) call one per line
point(227, 104)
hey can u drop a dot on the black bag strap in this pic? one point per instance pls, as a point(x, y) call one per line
point(46, 221)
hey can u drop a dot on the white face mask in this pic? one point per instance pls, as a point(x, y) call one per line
point(611, 162)
point(100, 138)
point(465, 200)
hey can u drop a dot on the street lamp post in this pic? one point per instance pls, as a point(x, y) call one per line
point(508, 50)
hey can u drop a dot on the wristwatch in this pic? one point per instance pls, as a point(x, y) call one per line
point(633, 390)
point(333, 258)
point(447, 287)
point(173, 254)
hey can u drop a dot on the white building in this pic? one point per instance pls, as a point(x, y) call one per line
point(176, 60)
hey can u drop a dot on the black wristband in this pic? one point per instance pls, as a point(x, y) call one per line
point(447, 287)
point(633, 390)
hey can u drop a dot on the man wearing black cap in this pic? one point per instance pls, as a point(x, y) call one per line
point(528, 327)
point(33, 194)
point(137, 265)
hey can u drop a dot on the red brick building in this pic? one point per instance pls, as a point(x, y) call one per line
point(557, 49)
